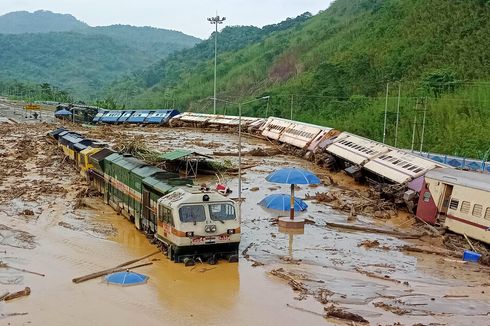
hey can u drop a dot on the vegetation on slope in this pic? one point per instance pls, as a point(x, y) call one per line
point(333, 69)
point(80, 58)
point(41, 21)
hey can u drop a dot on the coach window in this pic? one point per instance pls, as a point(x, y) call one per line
point(465, 207)
point(453, 204)
point(487, 213)
point(477, 210)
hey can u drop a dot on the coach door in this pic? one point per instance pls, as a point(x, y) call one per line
point(446, 197)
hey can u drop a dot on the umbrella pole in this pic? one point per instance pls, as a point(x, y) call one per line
point(291, 210)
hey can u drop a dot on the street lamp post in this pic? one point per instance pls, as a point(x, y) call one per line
point(215, 21)
point(240, 138)
point(240, 143)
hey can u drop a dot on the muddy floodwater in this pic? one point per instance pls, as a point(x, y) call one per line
point(45, 228)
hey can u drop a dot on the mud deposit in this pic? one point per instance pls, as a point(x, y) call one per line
point(282, 279)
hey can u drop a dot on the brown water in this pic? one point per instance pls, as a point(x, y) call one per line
point(72, 243)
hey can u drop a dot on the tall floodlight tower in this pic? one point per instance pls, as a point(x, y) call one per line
point(215, 21)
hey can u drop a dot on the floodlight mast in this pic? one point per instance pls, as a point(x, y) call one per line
point(217, 20)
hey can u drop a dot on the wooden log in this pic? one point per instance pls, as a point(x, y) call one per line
point(4, 295)
point(106, 272)
point(469, 242)
point(374, 230)
point(111, 270)
point(138, 259)
point(446, 253)
point(5, 265)
point(18, 294)
point(339, 313)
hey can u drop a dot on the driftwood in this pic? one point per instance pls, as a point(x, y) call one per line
point(4, 295)
point(138, 259)
point(374, 275)
point(295, 285)
point(106, 272)
point(368, 229)
point(5, 265)
point(339, 313)
point(18, 294)
point(113, 269)
point(469, 242)
point(445, 253)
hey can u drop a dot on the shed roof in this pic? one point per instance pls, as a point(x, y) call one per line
point(468, 179)
point(179, 154)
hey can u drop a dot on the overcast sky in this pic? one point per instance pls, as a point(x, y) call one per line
point(188, 16)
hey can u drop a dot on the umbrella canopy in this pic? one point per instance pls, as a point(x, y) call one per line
point(63, 112)
point(282, 202)
point(126, 278)
point(293, 176)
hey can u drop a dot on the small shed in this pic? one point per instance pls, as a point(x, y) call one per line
point(181, 158)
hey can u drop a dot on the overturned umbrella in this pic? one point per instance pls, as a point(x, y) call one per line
point(282, 202)
point(126, 278)
point(292, 176)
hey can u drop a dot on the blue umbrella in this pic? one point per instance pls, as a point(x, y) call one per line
point(62, 112)
point(126, 278)
point(282, 202)
point(292, 176)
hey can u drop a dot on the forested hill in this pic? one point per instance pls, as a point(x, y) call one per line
point(45, 47)
point(40, 21)
point(334, 68)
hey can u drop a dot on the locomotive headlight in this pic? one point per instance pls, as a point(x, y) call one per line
point(231, 231)
point(210, 228)
point(189, 234)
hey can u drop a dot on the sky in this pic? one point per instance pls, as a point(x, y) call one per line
point(188, 16)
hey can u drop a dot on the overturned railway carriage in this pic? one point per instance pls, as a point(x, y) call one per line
point(188, 221)
point(212, 120)
point(460, 200)
point(311, 139)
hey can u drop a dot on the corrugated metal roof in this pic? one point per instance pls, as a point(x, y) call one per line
point(176, 154)
point(180, 153)
point(468, 179)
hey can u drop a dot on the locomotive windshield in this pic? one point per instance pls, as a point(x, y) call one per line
point(192, 213)
point(222, 212)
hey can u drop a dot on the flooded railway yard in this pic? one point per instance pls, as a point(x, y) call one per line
point(51, 225)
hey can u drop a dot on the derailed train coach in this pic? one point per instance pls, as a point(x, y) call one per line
point(187, 221)
point(158, 117)
point(459, 200)
point(192, 119)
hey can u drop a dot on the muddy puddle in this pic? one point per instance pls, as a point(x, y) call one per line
point(281, 278)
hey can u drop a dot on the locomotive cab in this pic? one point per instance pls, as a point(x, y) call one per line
point(195, 223)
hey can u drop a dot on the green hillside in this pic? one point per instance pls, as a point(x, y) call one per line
point(40, 21)
point(79, 58)
point(155, 42)
point(333, 69)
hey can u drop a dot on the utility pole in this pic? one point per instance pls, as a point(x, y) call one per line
point(398, 113)
point(423, 126)
point(413, 132)
point(386, 112)
point(216, 21)
point(267, 108)
point(292, 104)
